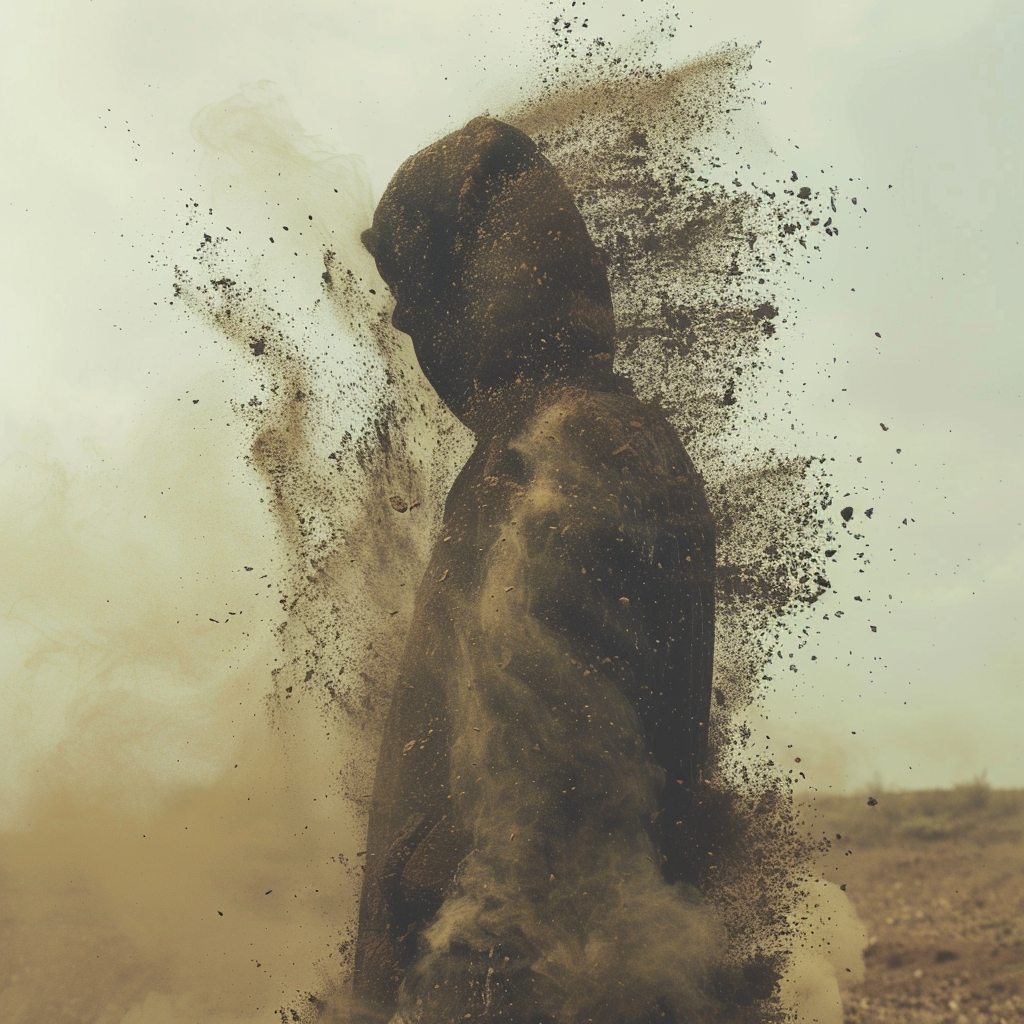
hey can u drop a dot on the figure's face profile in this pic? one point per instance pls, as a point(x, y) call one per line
point(406, 317)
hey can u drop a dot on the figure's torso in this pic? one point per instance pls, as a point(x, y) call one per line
point(558, 667)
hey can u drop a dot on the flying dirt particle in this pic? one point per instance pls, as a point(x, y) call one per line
point(398, 503)
point(872, 802)
point(847, 513)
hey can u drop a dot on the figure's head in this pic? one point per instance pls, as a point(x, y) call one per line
point(494, 275)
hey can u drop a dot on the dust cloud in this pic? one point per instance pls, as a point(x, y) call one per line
point(179, 836)
point(163, 856)
point(221, 621)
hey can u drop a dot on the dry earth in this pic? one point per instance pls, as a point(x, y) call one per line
point(938, 880)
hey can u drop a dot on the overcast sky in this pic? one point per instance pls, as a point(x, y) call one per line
point(919, 102)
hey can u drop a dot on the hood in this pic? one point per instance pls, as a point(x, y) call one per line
point(494, 275)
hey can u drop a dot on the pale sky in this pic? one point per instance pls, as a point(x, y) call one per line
point(925, 96)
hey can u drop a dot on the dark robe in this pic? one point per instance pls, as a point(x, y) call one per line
point(549, 721)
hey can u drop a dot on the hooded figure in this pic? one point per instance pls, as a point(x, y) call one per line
point(528, 847)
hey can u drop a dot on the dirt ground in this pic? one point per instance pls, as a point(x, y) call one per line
point(938, 880)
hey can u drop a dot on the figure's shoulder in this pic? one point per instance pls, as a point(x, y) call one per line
point(609, 431)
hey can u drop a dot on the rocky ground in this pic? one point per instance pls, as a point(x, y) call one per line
point(938, 880)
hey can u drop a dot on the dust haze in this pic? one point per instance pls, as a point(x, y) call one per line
point(221, 609)
point(154, 807)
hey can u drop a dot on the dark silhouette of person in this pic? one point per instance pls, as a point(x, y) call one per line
point(539, 762)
